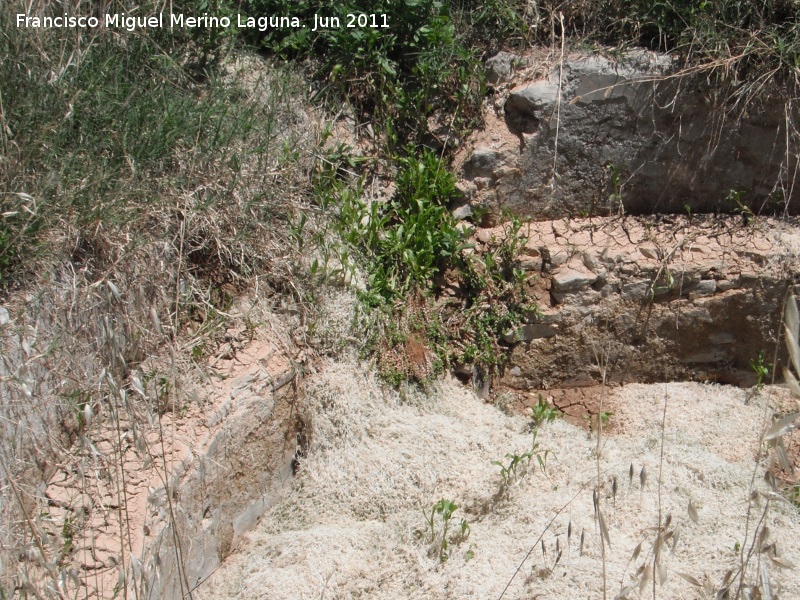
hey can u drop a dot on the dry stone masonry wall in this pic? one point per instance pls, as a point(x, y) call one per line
point(619, 163)
point(657, 298)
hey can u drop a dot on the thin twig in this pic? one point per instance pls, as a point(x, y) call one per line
point(558, 103)
point(660, 484)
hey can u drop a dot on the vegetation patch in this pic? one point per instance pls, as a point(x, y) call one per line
point(406, 65)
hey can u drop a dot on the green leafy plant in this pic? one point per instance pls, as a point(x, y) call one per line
point(438, 532)
point(760, 368)
point(542, 412)
point(518, 464)
point(741, 207)
point(405, 246)
point(400, 70)
point(662, 283)
point(593, 420)
point(404, 242)
point(793, 493)
point(496, 301)
point(516, 468)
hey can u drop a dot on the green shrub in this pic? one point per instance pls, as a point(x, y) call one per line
point(397, 76)
point(496, 301)
point(405, 241)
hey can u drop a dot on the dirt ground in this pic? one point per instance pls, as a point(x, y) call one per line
point(354, 523)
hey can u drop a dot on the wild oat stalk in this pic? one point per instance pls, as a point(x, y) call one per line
point(602, 363)
point(773, 437)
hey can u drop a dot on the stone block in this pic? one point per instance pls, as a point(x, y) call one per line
point(462, 212)
point(705, 288)
point(532, 99)
point(526, 333)
point(572, 279)
point(500, 67)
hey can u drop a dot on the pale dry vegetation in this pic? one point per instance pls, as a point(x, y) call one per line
point(675, 491)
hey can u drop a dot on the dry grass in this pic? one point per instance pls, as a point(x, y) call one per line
point(117, 303)
point(376, 462)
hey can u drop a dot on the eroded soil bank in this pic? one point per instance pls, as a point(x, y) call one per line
point(290, 477)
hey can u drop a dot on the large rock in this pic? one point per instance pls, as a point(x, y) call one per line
point(610, 136)
point(230, 479)
point(500, 67)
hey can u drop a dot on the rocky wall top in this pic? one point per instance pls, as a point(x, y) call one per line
point(603, 136)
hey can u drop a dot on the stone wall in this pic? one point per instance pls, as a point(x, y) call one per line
point(607, 136)
point(658, 299)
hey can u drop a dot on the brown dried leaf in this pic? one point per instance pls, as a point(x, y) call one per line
point(765, 586)
point(657, 547)
point(763, 535)
point(708, 584)
point(727, 578)
point(114, 290)
point(783, 458)
point(558, 558)
point(775, 496)
point(623, 594)
point(782, 563)
point(636, 552)
point(648, 572)
point(676, 537)
point(137, 385)
point(791, 380)
point(661, 569)
point(782, 427)
point(794, 348)
point(792, 315)
point(156, 320)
